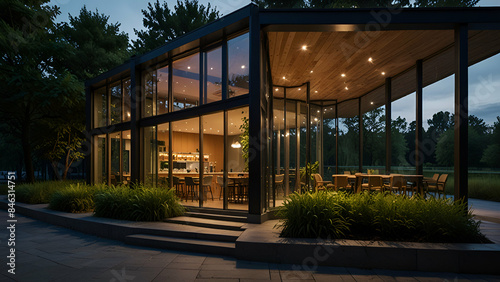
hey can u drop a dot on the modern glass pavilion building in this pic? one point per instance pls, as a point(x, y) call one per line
point(251, 98)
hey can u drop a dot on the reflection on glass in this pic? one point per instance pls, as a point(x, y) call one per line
point(374, 139)
point(238, 58)
point(127, 94)
point(100, 107)
point(186, 87)
point(162, 89)
point(348, 136)
point(115, 91)
point(329, 141)
point(291, 133)
point(315, 142)
point(214, 75)
point(403, 135)
point(149, 92)
point(150, 156)
point(100, 173)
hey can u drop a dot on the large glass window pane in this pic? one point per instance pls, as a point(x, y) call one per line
point(100, 172)
point(162, 89)
point(186, 86)
point(127, 97)
point(238, 56)
point(403, 128)
point(238, 155)
point(348, 136)
point(150, 156)
point(125, 175)
point(329, 142)
point(115, 91)
point(100, 107)
point(163, 157)
point(373, 109)
point(115, 162)
point(291, 134)
point(186, 158)
point(213, 160)
point(214, 75)
point(149, 93)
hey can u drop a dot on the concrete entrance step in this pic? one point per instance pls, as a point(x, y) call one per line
point(218, 211)
point(233, 218)
point(208, 223)
point(191, 232)
point(182, 244)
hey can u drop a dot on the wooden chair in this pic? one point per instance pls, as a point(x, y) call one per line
point(438, 187)
point(346, 172)
point(374, 183)
point(397, 183)
point(318, 182)
point(342, 182)
point(178, 187)
point(279, 182)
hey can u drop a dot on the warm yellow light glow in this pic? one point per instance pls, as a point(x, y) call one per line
point(304, 47)
point(383, 73)
point(371, 103)
point(284, 77)
point(128, 114)
point(300, 89)
point(343, 75)
point(243, 66)
point(316, 91)
point(311, 71)
point(236, 145)
point(346, 88)
point(276, 89)
point(370, 59)
point(189, 68)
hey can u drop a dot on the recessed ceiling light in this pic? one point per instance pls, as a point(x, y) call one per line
point(383, 73)
point(276, 89)
point(343, 75)
point(243, 66)
point(311, 71)
point(211, 68)
point(316, 91)
point(300, 89)
point(371, 103)
point(370, 59)
point(346, 88)
point(304, 47)
point(189, 68)
point(284, 77)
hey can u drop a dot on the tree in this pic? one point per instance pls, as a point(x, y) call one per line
point(96, 44)
point(163, 25)
point(491, 155)
point(32, 88)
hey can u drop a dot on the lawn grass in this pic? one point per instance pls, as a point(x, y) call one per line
point(377, 216)
point(481, 186)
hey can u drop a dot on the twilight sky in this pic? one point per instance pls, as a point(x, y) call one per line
point(484, 77)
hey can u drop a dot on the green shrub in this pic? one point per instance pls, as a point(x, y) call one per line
point(382, 216)
point(40, 192)
point(137, 203)
point(76, 198)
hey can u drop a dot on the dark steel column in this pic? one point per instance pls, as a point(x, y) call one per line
point(419, 161)
point(360, 117)
point(201, 164)
point(388, 127)
point(224, 165)
point(461, 112)
point(135, 115)
point(256, 182)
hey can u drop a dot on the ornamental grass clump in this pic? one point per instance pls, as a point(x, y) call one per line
point(77, 198)
point(378, 216)
point(137, 203)
point(40, 192)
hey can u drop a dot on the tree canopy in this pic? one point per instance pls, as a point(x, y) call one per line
point(163, 25)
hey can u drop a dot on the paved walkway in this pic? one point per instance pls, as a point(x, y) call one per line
point(50, 253)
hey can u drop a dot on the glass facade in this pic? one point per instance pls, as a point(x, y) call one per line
point(186, 82)
point(238, 57)
point(162, 101)
point(213, 75)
